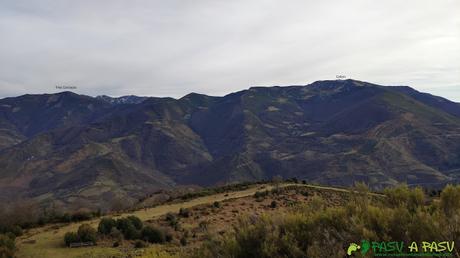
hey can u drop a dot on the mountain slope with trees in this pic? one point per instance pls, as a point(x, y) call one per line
point(83, 151)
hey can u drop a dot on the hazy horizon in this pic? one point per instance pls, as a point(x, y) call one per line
point(213, 95)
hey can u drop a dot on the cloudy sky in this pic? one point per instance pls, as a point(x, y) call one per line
point(172, 47)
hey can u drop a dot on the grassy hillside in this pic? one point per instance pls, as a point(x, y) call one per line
point(266, 220)
point(47, 241)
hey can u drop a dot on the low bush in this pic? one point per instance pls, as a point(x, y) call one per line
point(85, 233)
point(137, 223)
point(106, 225)
point(183, 241)
point(168, 236)
point(153, 235)
point(184, 212)
point(7, 246)
point(81, 215)
point(127, 228)
point(116, 234)
point(71, 237)
point(203, 225)
point(140, 244)
point(172, 219)
point(259, 194)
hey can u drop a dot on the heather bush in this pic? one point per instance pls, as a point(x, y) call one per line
point(106, 225)
point(86, 233)
point(153, 234)
point(128, 229)
point(7, 245)
point(401, 214)
point(71, 237)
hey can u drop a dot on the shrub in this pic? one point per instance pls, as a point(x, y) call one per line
point(71, 237)
point(450, 208)
point(137, 223)
point(168, 236)
point(86, 233)
point(304, 231)
point(184, 212)
point(273, 204)
point(66, 217)
point(404, 196)
point(183, 241)
point(170, 216)
point(172, 219)
point(16, 230)
point(216, 204)
point(140, 244)
point(177, 227)
point(7, 246)
point(203, 225)
point(116, 234)
point(106, 225)
point(81, 215)
point(259, 195)
point(276, 191)
point(128, 229)
point(153, 235)
point(450, 200)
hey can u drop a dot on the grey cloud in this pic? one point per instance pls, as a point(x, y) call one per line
point(170, 48)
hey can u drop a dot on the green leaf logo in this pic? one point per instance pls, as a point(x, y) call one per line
point(352, 248)
point(365, 246)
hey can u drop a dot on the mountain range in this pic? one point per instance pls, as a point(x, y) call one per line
point(68, 148)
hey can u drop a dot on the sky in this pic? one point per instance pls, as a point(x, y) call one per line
point(214, 47)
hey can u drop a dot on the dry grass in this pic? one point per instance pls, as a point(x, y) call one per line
point(47, 241)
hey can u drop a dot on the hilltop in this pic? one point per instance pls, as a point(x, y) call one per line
point(275, 219)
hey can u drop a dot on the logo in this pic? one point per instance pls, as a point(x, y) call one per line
point(365, 246)
point(400, 249)
point(352, 248)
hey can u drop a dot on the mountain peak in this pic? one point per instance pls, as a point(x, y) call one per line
point(129, 99)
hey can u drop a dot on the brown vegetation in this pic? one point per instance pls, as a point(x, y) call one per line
point(315, 229)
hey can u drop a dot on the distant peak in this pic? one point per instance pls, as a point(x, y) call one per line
point(66, 93)
point(129, 99)
point(193, 95)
